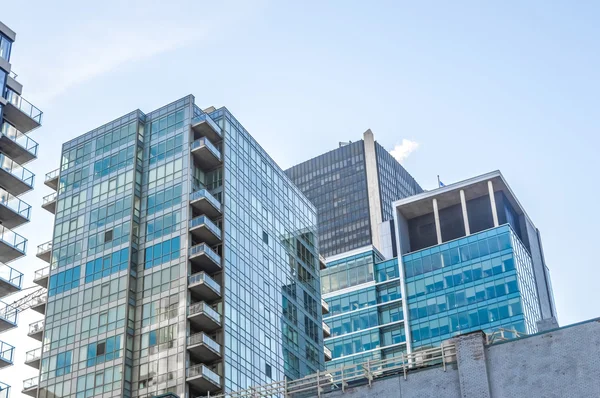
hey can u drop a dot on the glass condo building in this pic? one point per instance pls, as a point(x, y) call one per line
point(183, 260)
point(353, 188)
point(18, 118)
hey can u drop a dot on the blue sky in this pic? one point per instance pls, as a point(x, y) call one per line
point(474, 86)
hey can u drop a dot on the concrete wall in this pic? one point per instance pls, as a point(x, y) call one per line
point(559, 363)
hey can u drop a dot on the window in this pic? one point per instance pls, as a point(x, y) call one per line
point(265, 237)
point(268, 370)
point(108, 235)
point(100, 348)
point(162, 252)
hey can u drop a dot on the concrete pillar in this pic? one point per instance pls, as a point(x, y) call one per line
point(493, 203)
point(547, 324)
point(438, 229)
point(463, 204)
point(472, 366)
point(373, 187)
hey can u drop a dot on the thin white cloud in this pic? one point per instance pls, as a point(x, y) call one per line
point(403, 150)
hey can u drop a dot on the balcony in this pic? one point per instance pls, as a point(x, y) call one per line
point(322, 263)
point(33, 358)
point(41, 277)
point(7, 354)
point(8, 317)
point(204, 258)
point(205, 154)
point(51, 179)
point(205, 203)
point(14, 178)
point(203, 317)
point(11, 280)
point(12, 245)
point(204, 347)
point(36, 330)
point(204, 230)
point(30, 387)
point(16, 145)
point(324, 307)
point(49, 202)
point(204, 286)
point(44, 252)
point(13, 211)
point(38, 304)
point(4, 390)
point(326, 330)
point(203, 379)
point(328, 354)
point(204, 126)
point(20, 112)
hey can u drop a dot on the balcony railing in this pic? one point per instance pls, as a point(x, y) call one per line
point(41, 299)
point(30, 383)
point(13, 239)
point(21, 139)
point(15, 204)
point(44, 247)
point(203, 277)
point(8, 313)
point(7, 352)
point(4, 388)
point(203, 370)
point(23, 105)
point(36, 327)
point(205, 118)
point(33, 355)
point(52, 175)
point(16, 170)
point(203, 193)
point(11, 275)
point(41, 273)
point(195, 222)
point(202, 307)
point(49, 198)
point(203, 247)
point(204, 141)
point(201, 338)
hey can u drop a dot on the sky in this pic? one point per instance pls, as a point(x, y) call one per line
point(454, 89)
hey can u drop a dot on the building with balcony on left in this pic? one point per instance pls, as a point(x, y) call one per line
point(19, 117)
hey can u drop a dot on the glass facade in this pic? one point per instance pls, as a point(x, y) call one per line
point(365, 309)
point(480, 282)
point(174, 264)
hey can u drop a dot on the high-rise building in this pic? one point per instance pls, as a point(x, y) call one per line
point(353, 188)
point(183, 261)
point(469, 259)
point(18, 118)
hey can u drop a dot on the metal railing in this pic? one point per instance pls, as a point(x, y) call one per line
point(41, 299)
point(502, 334)
point(203, 370)
point(337, 379)
point(36, 327)
point(4, 390)
point(203, 193)
point(52, 175)
point(41, 273)
point(202, 307)
point(204, 277)
point(23, 105)
point(49, 198)
point(205, 118)
point(11, 275)
point(7, 352)
point(30, 383)
point(16, 170)
point(200, 220)
point(33, 355)
point(44, 247)
point(202, 338)
point(8, 313)
point(204, 248)
point(15, 204)
point(21, 139)
point(206, 142)
point(13, 239)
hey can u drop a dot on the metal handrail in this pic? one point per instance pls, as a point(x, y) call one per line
point(36, 327)
point(16, 170)
point(15, 204)
point(7, 352)
point(8, 312)
point(23, 105)
point(11, 275)
point(339, 378)
point(13, 239)
point(20, 138)
point(499, 335)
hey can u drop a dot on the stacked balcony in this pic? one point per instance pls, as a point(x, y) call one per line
point(203, 379)
point(324, 307)
point(327, 353)
point(33, 358)
point(204, 126)
point(49, 203)
point(16, 145)
point(11, 280)
point(41, 277)
point(36, 330)
point(38, 304)
point(13, 211)
point(15, 178)
point(204, 203)
point(204, 287)
point(44, 252)
point(7, 354)
point(203, 317)
point(22, 114)
point(12, 245)
point(30, 387)
point(51, 179)
point(204, 229)
point(201, 346)
point(326, 330)
point(203, 258)
point(8, 317)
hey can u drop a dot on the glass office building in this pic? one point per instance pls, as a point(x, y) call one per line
point(183, 261)
point(353, 188)
point(18, 118)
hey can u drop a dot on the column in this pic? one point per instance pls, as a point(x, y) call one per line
point(463, 204)
point(493, 203)
point(472, 367)
point(438, 229)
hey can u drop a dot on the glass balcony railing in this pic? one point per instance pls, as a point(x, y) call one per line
point(30, 383)
point(52, 175)
point(205, 118)
point(204, 248)
point(201, 338)
point(16, 169)
point(21, 139)
point(33, 355)
point(36, 327)
point(11, 275)
point(7, 352)
point(23, 105)
point(8, 313)
point(195, 222)
point(44, 247)
point(203, 277)
point(15, 204)
point(203, 370)
point(41, 299)
point(203, 141)
point(41, 273)
point(13, 239)
point(203, 193)
point(4, 388)
point(202, 307)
